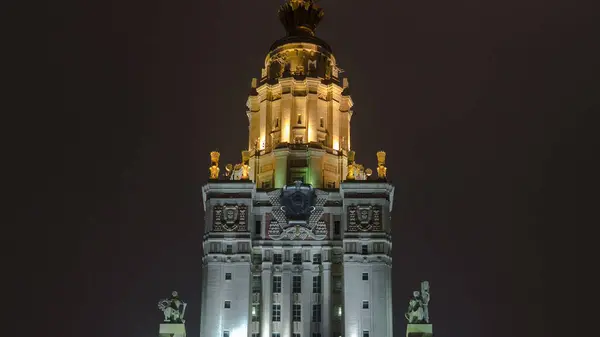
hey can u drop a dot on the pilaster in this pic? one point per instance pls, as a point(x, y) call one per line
point(326, 309)
point(266, 303)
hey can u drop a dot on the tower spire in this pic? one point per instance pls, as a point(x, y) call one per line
point(300, 17)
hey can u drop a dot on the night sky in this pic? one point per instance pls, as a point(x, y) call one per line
point(474, 102)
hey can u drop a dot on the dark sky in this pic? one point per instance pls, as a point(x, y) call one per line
point(474, 102)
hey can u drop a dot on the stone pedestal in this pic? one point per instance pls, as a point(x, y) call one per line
point(172, 330)
point(419, 330)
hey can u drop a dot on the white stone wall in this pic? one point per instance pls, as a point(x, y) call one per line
point(350, 265)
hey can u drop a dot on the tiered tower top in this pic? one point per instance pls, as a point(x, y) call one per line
point(299, 112)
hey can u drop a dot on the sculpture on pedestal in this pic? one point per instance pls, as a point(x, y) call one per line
point(381, 169)
point(245, 166)
point(214, 168)
point(173, 308)
point(418, 306)
point(351, 166)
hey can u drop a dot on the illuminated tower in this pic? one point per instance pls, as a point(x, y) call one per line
point(298, 235)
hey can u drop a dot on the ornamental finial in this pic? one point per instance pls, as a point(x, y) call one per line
point(381, 169)
point(214, 168)
point(351, 166)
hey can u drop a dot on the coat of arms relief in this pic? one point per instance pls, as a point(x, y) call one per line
point(364, 218)
point(230, 218)
point(297, 213)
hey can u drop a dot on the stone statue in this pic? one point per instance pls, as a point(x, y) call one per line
point(171, 308)
point(418, 311)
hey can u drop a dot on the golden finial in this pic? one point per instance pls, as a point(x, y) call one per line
point(245, 167)
point(214, 168)
point(381, 169)
point(245, 157)
point(351, 166)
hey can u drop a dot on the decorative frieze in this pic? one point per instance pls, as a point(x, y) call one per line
point(364, 218)
point(230, 218)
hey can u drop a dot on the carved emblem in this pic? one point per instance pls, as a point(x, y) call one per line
point(364, 218)
point(297, 214)
point(230, 218)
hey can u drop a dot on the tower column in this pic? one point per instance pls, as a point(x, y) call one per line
point(326, 309)
point(286, 302)
point(265, 326)
point(306, 298)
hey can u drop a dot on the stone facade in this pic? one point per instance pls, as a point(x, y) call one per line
point(297, 236)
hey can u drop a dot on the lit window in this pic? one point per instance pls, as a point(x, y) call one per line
point(339, 311)
point(255, 313)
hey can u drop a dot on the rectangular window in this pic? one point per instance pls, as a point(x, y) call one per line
point(227, 304)
point(257, 227)
point(365, 249)
point(296, 284)
point(322, 122)
point(256, 283)
point(256, 258)
point(228, 276)
point(276, 313)
point(258, 335)
point(297, 258)
point(365, 276)
point(365, 304)
point(317, 284)
point(276, 284)
point(365, 333)
point(229, 249)
point(317, 259)
point(299, 118)
point(316, 334)
point(225, 333)
point(336, 227)
point(255, 313)
point(277, 259)
point(316, 313)
point(296, 313)
point(295, 334)
point(275, 334)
